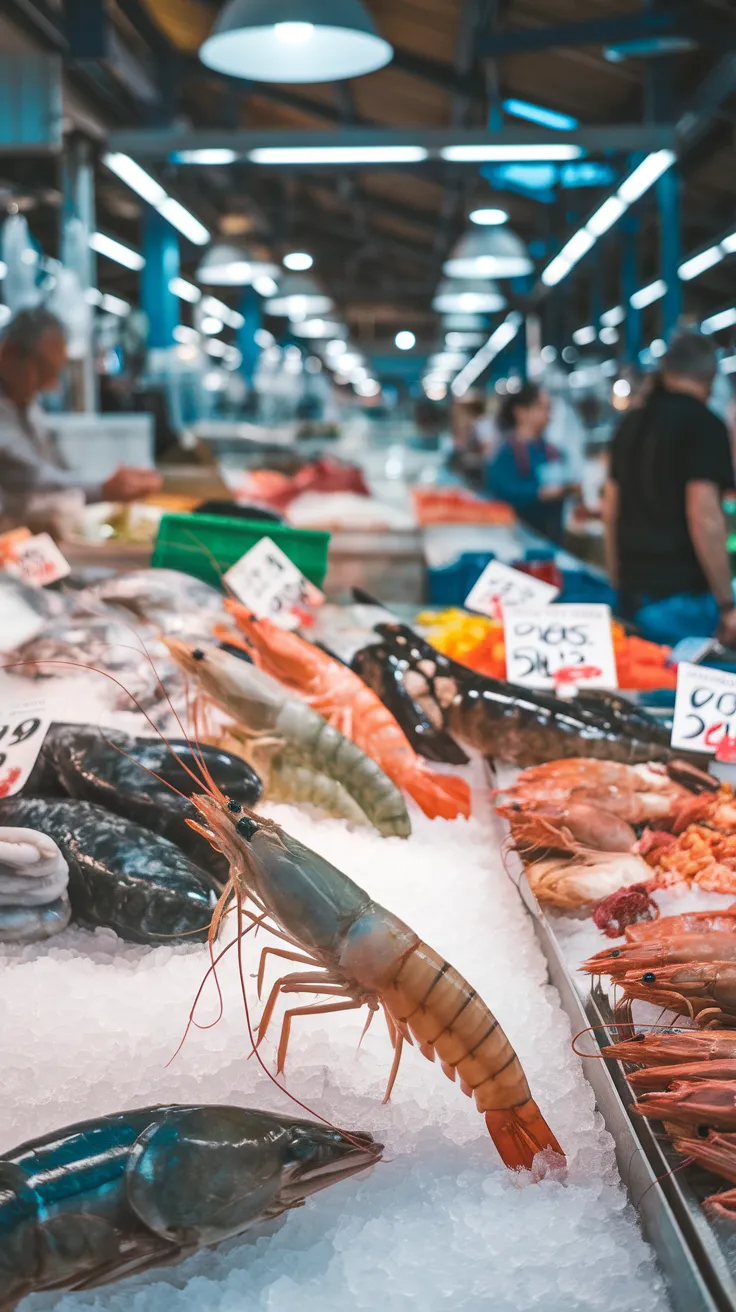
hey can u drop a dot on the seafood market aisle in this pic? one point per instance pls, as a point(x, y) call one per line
point(89, 1024)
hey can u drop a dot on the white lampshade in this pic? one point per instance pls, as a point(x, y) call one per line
point(300, 297)
point(320, 330)
point(489, 253)
point(295, 41)
point(468, 296)
point(226, 265)
point(464, 323)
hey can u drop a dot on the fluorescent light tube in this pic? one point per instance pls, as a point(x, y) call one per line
point(717, 322)
point(115, 250)
point(135, 177)
point(203, 156)
point(645, 175)
point(496, 154)
point(584, 336)
point(605, 217)
point(654, 291)
point(186, 291)
point(181, 219)
point(556, 270)
point(338, 155)
point(114, 305)
point(613, 317)
point(698, 264)
point(546, 118)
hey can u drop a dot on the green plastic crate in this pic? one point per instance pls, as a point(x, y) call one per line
point(208, 545)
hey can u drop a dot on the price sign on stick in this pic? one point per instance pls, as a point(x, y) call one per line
point(36, 560)
point(557, 646)
point(24, 723)
point(705, 709)
point(499, 585)
point(271, 585)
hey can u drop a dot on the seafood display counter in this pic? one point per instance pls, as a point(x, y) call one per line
point(285, 890)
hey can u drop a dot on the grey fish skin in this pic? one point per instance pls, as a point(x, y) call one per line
point(115, 1196)
point(24, 924)
point(93, 765)
point(121, 875)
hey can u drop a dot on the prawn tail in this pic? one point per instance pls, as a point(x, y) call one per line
point(438, 794)
point(519, 1133)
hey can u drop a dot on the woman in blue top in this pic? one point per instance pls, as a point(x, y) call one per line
point(516, 472)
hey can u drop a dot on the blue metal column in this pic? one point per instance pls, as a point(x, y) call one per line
point(629, 283)
point(668, 200)
point(250, 308)
point(161, 249)
point(77, 224)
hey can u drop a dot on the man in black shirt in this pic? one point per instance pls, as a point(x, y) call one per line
point(665, 530)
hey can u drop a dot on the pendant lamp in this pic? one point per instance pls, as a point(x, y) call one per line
point(489, 253)
point(225, 265)
point(295, 41)
point(466, 296)
point(300, 297)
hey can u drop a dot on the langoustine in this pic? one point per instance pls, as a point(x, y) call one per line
point(704, 991)
point(345, 701)
point(651, 953)
point(635, 794)
point(363, 955)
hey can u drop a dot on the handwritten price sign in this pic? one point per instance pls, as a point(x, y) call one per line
point(550, 646)
point(24, 723)
point(271, 585)
point(499, 585)
point(705, 709)
point(35, 560)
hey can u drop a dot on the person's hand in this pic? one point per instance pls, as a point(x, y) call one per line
point(726, 633)
point(128, 484)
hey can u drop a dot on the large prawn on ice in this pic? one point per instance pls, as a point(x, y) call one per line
point(341, 696)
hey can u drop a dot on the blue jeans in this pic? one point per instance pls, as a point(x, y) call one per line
point(687, 615)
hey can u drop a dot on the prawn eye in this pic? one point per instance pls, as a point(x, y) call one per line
point(198, 654)
point(640, 1037)
point(235, 807)
point(703, 1131)
point(616, 952)
point(649, 977)
point(246, 827)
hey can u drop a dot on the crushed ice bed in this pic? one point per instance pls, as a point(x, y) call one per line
point(89, 1024)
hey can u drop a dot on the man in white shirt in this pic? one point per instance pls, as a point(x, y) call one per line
point(32, 359)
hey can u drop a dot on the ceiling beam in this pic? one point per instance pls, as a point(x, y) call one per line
point(679, 19)
point(157, 143)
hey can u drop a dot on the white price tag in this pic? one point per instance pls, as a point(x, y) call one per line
point(499, 585)
point(550, 646)
point(271, 585)
point(705, 709)
point(24, 723)
point(37, 561)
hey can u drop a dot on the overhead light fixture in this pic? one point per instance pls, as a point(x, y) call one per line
point(584, 336)
point(728, 244)
point(468, 296)
point(609, 336)
point(456, 341)
point(188, 336)
point(211, 325)
point(490, 154)
point(265, 286)
point(338, 155)
point(488, 218)
point(717, 322)
point(227, 265)
point(649, 47)
point(447, 361)
point(546, 118)
point(319, 329)
point(698, 264)
point(634, 186)
point(186, 291)
point(336, 348)
point(728, 364)
point(613, 317)
point(658, 347)
point(115, 250)
point(155, 195)
point(233, 319)
point(298, 261)
point(300, 297)
point(215, 347)
point(368, 387)
point(135, 177)
point(654, 291)
point(405, 341)
point(204, 156)
point(500, 338)
point(269, 41)
point(93, 296)
point(488, 253)
point(114, 305)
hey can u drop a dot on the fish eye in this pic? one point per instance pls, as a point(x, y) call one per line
point(649, 977)
point(703, 1131)
point(234, 806)
point(246, 827)
point(198, 654)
